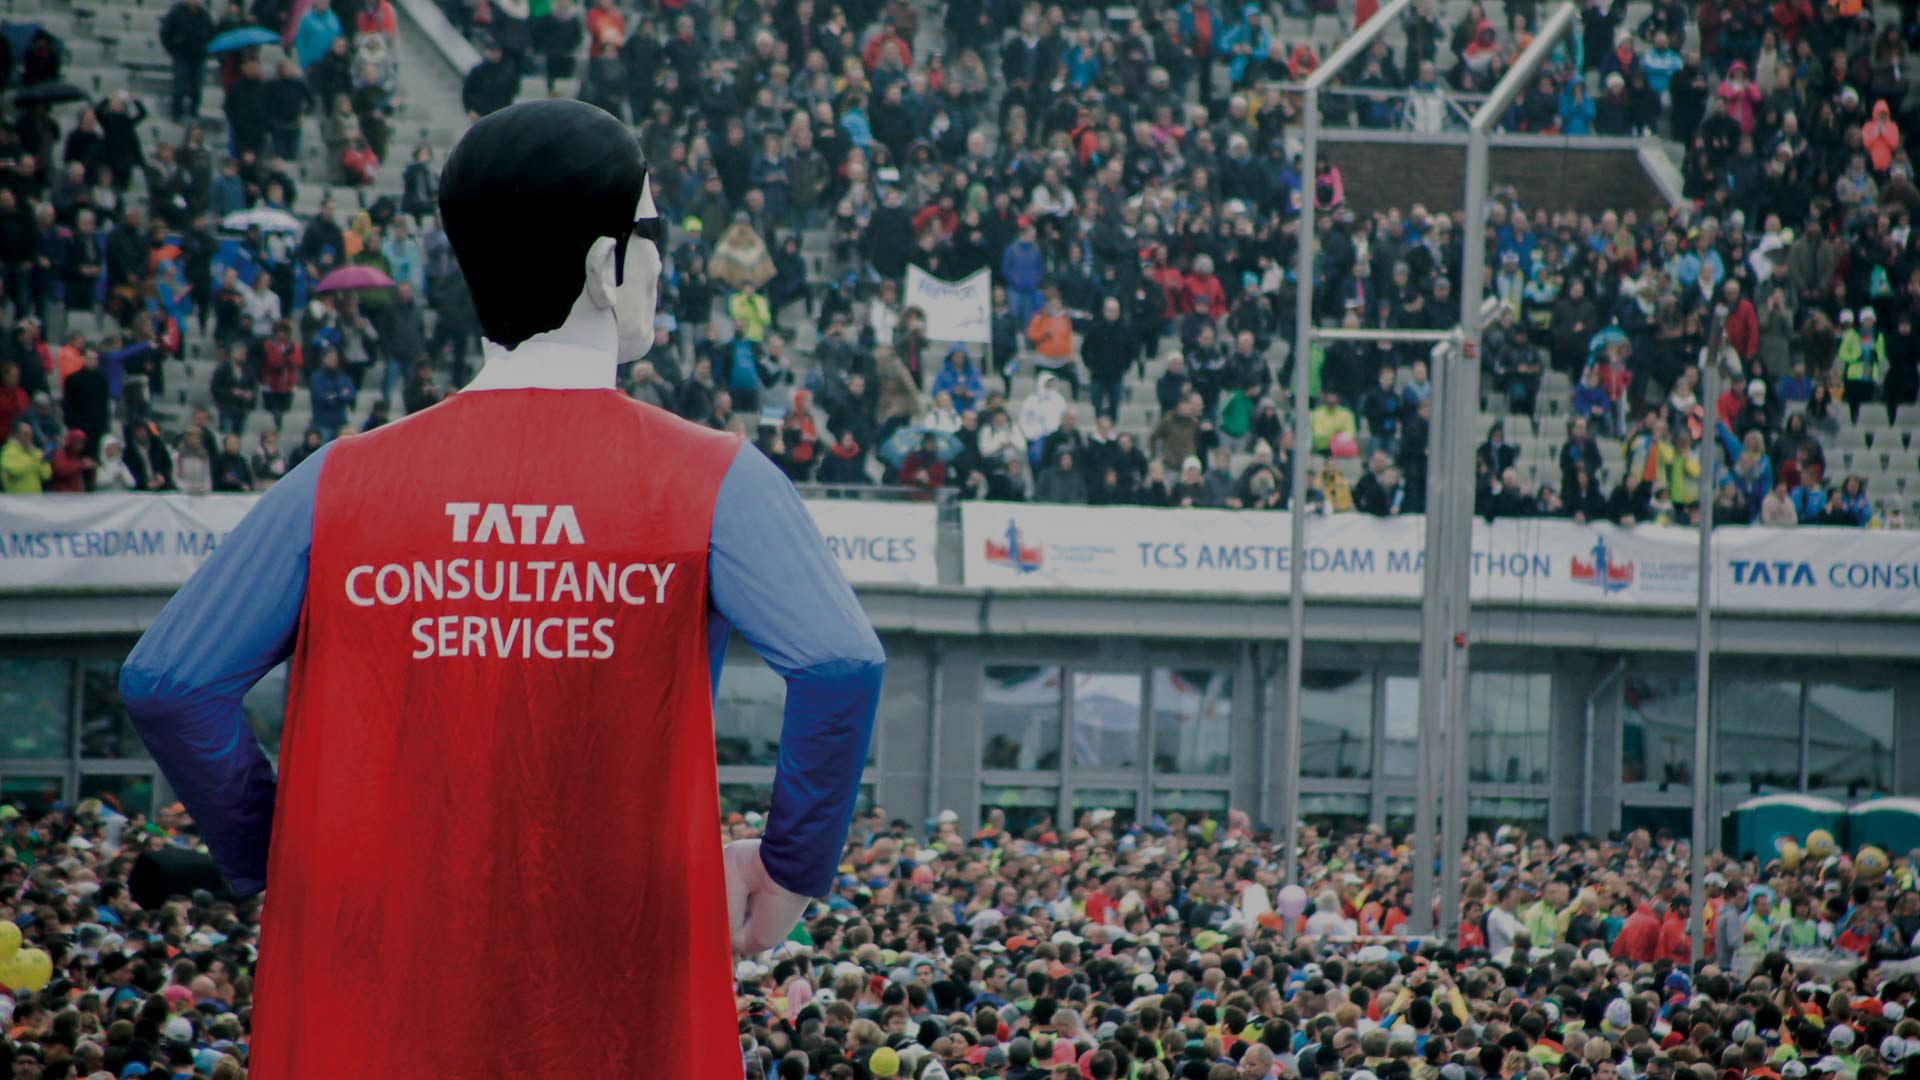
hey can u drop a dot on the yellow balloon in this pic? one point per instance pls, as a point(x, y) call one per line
point(1790, 855)
point(29, 969)
point(1819, 843)
point(1871, 861)
point(9, 940)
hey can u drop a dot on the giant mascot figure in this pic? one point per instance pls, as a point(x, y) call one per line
point(492, 848)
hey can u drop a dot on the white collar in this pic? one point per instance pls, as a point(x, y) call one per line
point(581, 354)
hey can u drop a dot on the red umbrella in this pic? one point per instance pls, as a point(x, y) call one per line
point(353, 279)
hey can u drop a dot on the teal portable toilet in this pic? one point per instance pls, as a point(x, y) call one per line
point(1892, 825)
point(1759, 822)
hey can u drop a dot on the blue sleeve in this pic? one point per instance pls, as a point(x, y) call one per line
point(182, 685)
point(774, 581)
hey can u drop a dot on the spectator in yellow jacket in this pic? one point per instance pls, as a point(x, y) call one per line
point(750, 312)
point(1330, 418)
point(22, 466)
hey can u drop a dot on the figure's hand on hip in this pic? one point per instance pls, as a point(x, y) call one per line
point(760, 912)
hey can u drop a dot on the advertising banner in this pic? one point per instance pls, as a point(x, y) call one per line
point(1517, 561)
point(880, 543)
point(157, 541)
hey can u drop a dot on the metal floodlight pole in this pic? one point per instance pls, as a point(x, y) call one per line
point(1452, 655)
point(1703, 651)
point(1303, 336)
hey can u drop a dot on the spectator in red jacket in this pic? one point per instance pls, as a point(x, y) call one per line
point(1639, 940)
point(924, 468)
point(1674, 942)
point(1201, 282)
point(1743, 324)
point(71, 465)
point(14, 401)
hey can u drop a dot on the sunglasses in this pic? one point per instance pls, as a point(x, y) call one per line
point(653, 229)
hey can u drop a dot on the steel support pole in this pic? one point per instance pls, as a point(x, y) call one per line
point(1703, 650)
point(1297, 481)
point(1432, 639)
point(1347, 52)
point(1461, 412)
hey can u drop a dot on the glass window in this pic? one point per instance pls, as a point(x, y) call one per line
point(1656, 734)
point(265, 708)
point(105, 729)
point(1190, 802)
point(1020, 718)
point(1122, 801)
point(1192, 721)
point(130, 793)
point(1106, 720)
point(35, 697)
point(1756, 729)
point(1399, 815)
point(1850, 738)
point(1022, 807)
point(1334, 812)
point(1336, 728)
point(1490, 812)
point(1400, 727)
point(32, 794)
point(748, 710)
point(1508, 718)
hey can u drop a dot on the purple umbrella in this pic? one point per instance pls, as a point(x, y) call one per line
point(353, 279)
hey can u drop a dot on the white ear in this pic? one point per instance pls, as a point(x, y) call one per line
point(600, 272)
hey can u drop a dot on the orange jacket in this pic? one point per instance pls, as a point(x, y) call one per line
point(1052, 335)
point(1880, 137)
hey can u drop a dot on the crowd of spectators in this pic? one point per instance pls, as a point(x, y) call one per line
point(1103, 948)
point(1131, 184)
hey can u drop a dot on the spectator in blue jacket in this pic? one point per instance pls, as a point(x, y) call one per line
point(333, 393)
point(1576, 111)
point(1810, 498)
point(316, 34)
point(1021, 268)
point(959, 380)
point(1850, 505)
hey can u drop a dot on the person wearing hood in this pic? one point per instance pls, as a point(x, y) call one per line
point(1042, 411)
point(959, 380)
point(1483, 49)
point(71, 466)
point(1741, 96)
point(111, 472)
point(1880, 137)
point(1576, 111)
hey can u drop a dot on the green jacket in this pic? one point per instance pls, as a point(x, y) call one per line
point(22, 469)
point(1855, 365)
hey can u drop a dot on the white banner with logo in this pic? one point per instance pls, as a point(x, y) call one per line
point(880, 543)
point(109, 542)
point(956, 310)
point(1016, 546)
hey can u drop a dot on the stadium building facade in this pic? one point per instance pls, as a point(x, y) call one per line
point(1049, 699)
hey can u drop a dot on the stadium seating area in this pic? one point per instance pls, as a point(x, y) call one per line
point(114, 44)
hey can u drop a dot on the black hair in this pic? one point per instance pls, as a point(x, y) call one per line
point(523, 196)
